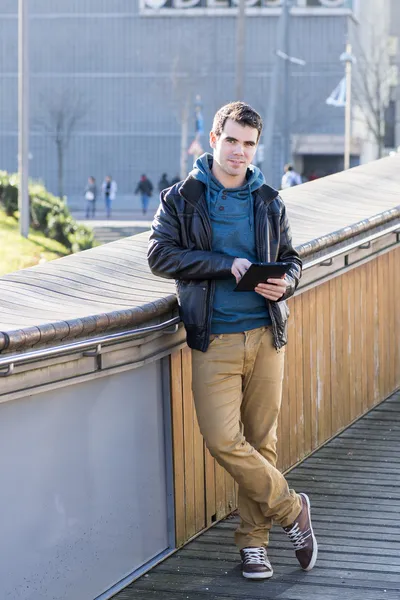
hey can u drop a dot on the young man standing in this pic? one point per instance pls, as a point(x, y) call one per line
point(206, 233)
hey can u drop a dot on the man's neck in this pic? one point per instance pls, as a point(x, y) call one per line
point(227, 181)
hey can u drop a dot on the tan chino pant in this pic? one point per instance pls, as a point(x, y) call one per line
point(237, 388)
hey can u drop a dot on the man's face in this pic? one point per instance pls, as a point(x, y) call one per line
point(234, 150)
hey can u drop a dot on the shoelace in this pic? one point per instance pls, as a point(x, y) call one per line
point(297, 537)
point(257, 556)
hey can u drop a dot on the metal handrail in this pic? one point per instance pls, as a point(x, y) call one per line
point(90, 347)
point(327, 258)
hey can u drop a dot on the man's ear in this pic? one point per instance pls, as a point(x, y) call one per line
point(213, 139)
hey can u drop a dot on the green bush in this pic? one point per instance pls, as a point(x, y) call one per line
point(4, 181)
point(48, 213)
point(60, 227)
point(9, 196)
point(82, 239)
point(43, 204)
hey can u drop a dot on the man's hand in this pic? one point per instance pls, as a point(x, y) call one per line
point(239, 268)
point(273, 289)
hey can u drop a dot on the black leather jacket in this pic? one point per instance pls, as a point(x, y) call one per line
point(180, 249)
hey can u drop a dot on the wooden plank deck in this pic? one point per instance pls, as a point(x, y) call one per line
point(354, 486)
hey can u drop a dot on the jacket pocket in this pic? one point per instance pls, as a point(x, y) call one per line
point(192, 300)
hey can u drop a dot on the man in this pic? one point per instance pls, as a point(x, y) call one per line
point(109, 191)
point(90, 197)
point(206, 233)
point(290, 178)
point(145, 189)
point(163, 183)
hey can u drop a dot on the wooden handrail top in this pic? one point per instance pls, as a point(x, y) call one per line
point(111, 287)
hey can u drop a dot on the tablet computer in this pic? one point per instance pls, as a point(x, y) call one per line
point(259, 273)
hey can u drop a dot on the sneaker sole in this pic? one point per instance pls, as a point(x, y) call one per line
point(267, 575)
point(315, 544)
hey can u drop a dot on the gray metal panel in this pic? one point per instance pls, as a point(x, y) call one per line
point(83, 486)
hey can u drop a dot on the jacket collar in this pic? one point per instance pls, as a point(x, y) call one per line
point(192, 190)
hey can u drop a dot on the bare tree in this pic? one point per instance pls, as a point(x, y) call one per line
point(62, 113)
point(372, 80)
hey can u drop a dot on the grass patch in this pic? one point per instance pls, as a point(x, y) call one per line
point(18, 253)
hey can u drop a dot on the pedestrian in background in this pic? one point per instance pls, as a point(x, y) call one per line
point(290, 178)
point(90, 197)
point(163, 184)
point(109, 191)
point(144, 188)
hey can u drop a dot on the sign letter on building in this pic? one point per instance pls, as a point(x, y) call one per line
point(149, 7)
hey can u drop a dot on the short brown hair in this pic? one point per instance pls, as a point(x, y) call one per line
point(239, 112)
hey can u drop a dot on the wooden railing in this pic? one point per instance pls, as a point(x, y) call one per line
point(342, 358)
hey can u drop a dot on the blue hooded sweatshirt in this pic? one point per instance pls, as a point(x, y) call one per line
point(231, 212)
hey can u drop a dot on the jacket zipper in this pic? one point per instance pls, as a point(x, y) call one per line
point(265, 244)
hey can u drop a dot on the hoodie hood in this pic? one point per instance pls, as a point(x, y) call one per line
point(202, 172)
point(254, 180)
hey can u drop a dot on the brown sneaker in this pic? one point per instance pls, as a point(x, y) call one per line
point(302, 536)
point(255, 563)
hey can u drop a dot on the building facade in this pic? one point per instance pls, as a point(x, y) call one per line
point(393, 121)
point(122, 77)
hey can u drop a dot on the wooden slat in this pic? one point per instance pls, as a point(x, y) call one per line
point(178, 446)
point(209, 487)
point(188, 424)
point(338, 384)
point(357, 348)
point(370, 336)
point(307, 406)
point(396, 295)
point(346, 353)
point(220, 494)
point(382, 324)
point(322, 399)
point(364, 325)
point(230, 494)
point(388, 327)
point(351, 347)
point(327, 359)
point(199, 464)
point(298, 341)
point(292, 387)
point(312, 366)
point(393, 308)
